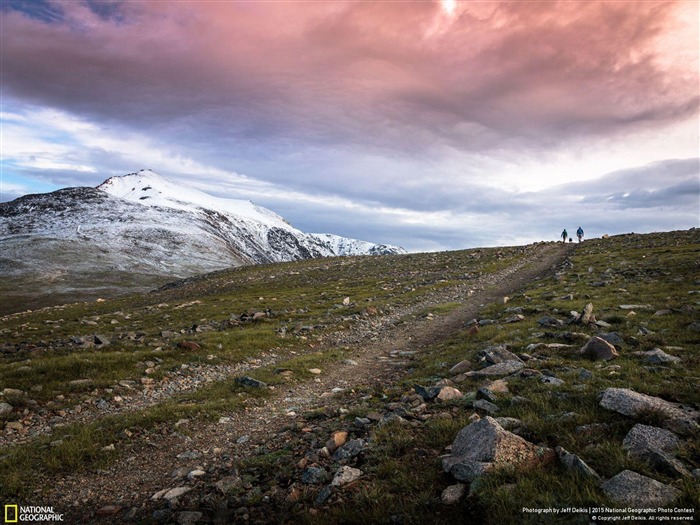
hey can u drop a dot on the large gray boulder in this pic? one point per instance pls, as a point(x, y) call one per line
point(656, 446)
point(633, 404)
point(644, 437)
point(484, 446)
point(637, 491)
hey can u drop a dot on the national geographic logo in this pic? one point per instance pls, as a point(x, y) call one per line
point(19, 514)
point(11, 513)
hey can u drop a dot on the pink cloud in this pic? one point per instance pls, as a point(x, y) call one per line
point(399, 75)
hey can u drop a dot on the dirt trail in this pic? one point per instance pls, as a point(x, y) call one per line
point(378, 356)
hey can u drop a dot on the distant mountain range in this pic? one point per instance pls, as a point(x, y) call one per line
point(139, 230)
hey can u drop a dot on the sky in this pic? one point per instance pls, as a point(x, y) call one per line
point(432, 125)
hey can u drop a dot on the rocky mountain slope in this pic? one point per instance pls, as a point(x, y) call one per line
point(550, 383)
point(137, 231)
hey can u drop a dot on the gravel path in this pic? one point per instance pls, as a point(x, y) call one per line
point(379, 353)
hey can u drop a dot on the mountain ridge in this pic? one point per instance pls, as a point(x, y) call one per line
point(137, 232)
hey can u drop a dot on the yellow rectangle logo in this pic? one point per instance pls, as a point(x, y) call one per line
point(11, 513)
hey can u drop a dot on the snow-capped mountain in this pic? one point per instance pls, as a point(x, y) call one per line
point(143, 225)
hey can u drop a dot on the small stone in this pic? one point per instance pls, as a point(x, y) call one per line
point(345, 475)
point(323, 495)
point(426, 393)
point(500, 369)
point(315, 371)
point(14, 425)
point(350, 450)
point(598, 349)
point(101, 340)
point(5, 408)
point(658, 357)
point(453, 494)
point(448, 393)
point(190, 454)
point(175, 493)
point(554, 381)
point(197, 473)
point(486, 406)
point(461, 367)
point(250, 382)
point(659, 313)
point(337, 440)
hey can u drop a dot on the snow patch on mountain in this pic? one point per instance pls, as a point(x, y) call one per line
point(144, 226)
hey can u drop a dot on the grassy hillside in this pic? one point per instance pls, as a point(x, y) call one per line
point(87, 380)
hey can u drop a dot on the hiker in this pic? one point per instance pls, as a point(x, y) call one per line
point(564, 235)
point(579, 234)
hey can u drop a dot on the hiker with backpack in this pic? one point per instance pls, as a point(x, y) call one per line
point(579, 234)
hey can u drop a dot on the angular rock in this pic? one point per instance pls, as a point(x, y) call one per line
point(598, 349)
point(613, 338)
point(575, 464)
point(501, 369)
point(448, 393)
point(633, 404)
point(314, 476)
point(509, 423)
point(487, 394)
point(350, 450)
point(549, 321)
point(554, 381)
point(514, 319)
point(5, 408)
point(496, 354)
point(664, 463)
point(462, 366)
point(486, 406)
point(100, 339)
point(586, 314)
point(426, 393)
point(484, 446)
point(175, 493)
point(250, 382)
point(323, 495)
point(683, 426)
point(345, 475)
point(637, 491)
point(645, 437)
point(658, 357)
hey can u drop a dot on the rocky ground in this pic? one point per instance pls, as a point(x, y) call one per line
point(325, 446)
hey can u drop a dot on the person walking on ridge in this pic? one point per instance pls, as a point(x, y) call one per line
point(579, 234)
point(564, 235)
